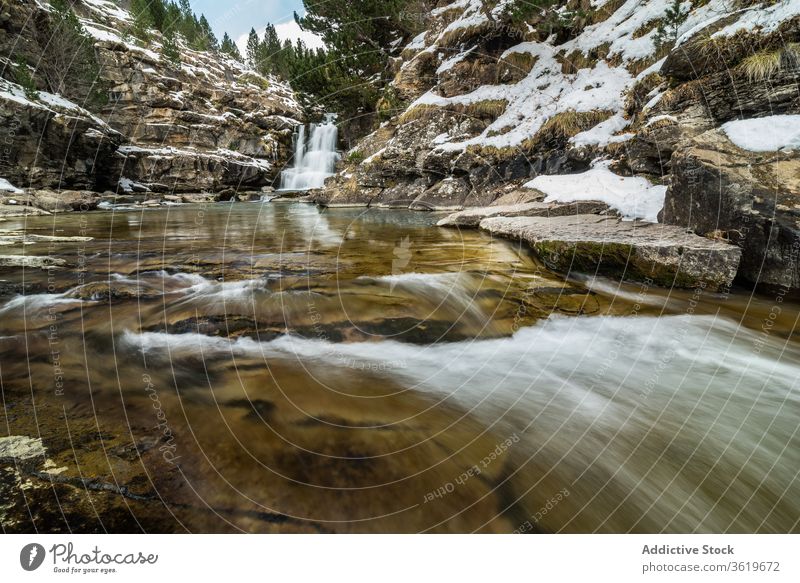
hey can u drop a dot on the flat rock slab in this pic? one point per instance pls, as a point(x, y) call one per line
point(473, 216)
point(661, 254)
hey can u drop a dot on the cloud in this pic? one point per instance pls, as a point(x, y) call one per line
point(286, 30)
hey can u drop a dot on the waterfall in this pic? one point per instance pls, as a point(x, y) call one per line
point(315, 156)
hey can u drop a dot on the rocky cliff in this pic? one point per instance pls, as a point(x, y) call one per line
point(205, 123)
point(609, 92)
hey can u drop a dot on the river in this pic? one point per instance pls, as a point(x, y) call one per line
point(278, 367)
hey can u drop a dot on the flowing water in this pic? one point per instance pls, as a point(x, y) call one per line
point(277, 367)
point(314, 157)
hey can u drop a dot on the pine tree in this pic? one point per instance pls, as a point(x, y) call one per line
point(143, 21)
point(169, 47)
point(253, 45)
point(209, 40)
point(172, 17)
point(669, 26)
point(188, 27)
point(68, 62)
point(229, 48)
point(158, 11)
point(23, 77)
point(359, 36)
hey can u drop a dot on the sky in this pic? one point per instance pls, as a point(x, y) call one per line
point(237, 17)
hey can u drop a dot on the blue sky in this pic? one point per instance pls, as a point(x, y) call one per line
point(237, 17)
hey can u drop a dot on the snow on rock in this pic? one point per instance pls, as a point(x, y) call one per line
point(762, 17)
point(128, 185)
point(453, 61)
point(6, 186)
point(633, 196)
point(604, 133)
point(765, 134)
point(545, 92)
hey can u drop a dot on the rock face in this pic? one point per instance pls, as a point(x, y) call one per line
point(664, 255)
point(51, 144)
point(493, 101)
point(207, 123)
point(752, 199)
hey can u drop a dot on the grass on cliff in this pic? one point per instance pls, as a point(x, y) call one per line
point(562, 126)
point(489, 109)
point(765, 64)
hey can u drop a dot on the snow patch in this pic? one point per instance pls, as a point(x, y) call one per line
point(6, 186)
point(765, 134)
point(633, 196)
point(604, 133)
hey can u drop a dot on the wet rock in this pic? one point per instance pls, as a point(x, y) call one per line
point(225, 195)
point(28, 239)
point(400, 195)
point(115, 291)
point(30, 261)
point(448, 194)
point(21, 211)
point(345, 193)
point(666, 255)
point(197, 197)
point(473, 216)
point(751, 199)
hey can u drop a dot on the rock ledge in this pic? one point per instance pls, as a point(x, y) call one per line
point(666, 255)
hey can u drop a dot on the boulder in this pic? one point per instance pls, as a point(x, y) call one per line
point(660, 254)
point(400, 195)
point(750, 198)
point(345, 192)
point(30, 261)
point(473, 216)
point(78, 146)
point(66, 200)
point(446, 195)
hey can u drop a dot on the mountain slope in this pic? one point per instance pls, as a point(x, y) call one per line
point(205, 123)
point(497, 95)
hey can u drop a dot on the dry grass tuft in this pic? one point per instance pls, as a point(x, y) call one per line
point(766, 64)
point(515, 66)
point(566, 124)
point(488, 110)
point(639, 94)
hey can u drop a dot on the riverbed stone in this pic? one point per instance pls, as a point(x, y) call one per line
point(666, 255)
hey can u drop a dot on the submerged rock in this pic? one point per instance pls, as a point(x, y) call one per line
point(665, 255)
point(20, 448)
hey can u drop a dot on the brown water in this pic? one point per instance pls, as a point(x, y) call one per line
point(277, 367)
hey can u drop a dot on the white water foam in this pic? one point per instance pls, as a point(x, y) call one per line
point(649, 407)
